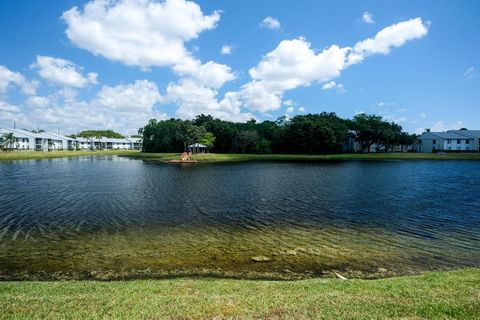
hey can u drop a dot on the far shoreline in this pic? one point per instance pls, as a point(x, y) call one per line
point(232, 157)
point(237, 157)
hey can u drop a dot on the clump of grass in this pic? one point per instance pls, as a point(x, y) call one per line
point(442, 295)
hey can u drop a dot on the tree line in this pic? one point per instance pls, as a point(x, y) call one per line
point(97, 134)
point(301, 134)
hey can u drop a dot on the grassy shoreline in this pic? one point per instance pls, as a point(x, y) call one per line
point(38, 155)
point(219, 158)
point(454, 294)
point(231, 157)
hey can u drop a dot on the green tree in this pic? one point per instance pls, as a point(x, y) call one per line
point(189, 133)
point(247, 141)
point(208, 140)
point(368, 130)
point(311, 133)
point(224, 132)
point(8, 141)
point(100, 133)
point(315, 133)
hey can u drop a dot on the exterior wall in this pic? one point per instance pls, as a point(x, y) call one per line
point(428, 145)
point(21, 144)
point(122, 145)
point(476, 144)
point(457, 145)
point(84, 145)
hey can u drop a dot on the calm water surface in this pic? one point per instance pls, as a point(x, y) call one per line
point(111, 217)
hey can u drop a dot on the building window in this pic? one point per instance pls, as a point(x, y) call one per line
point(459, 141)
point(449, 141)
point(434, 141)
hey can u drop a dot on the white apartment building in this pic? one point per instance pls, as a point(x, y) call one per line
point(49, 141)
point(454, 140)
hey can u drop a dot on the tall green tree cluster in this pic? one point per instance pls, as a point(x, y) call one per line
point(372, 130)
point(98, 134)
point(302, 134)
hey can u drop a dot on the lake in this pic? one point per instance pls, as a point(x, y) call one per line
point(116, 218)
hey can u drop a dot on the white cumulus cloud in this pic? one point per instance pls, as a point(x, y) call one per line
point(151, 33)
point(392, 36)
point(333, 85)
point(226, 49)
point(38, 102)
point(270, 23)
point(211, 73)
point(6, 107)
point(294, 63)
point(367, 17)
point(141, 33)
point(124, 108)
point(63, 72)
point(10, 78)
point(194, 98)
point(140, 96)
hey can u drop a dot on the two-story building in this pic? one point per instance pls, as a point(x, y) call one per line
point(449, 141)
point(49, 141)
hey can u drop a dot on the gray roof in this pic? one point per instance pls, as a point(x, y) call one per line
point(114, 140)
point(18, 135)
point(57, 136)
point(135, 140)
point(468, 133)
point(443, 135)
point(80, 139)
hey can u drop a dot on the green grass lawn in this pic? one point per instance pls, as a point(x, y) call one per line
point(216, 157)
point(26, 155)
point(438, 295)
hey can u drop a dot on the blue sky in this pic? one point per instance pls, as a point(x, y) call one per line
point(74, 65)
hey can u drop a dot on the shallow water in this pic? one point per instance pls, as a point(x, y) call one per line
point(112, 217)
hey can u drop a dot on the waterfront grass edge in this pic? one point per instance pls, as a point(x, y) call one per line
point(232, 157)
point(435, 295)
point(235, 157)
point(39, 155)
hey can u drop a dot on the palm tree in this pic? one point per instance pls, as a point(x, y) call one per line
point(8, 139)
point(98, 136)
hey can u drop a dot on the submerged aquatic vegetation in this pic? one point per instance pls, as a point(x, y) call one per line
point(270, 253)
